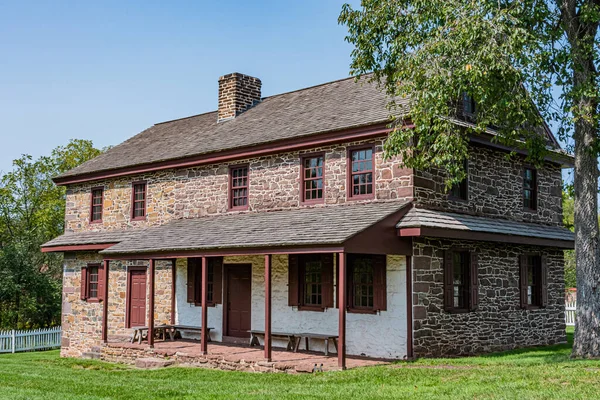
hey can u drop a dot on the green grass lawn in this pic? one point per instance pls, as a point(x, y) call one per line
point(542, 373)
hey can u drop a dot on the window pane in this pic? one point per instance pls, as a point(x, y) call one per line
point(363, 291)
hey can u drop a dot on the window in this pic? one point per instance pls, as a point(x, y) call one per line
point(92, 282)
point(96, 211)
point(138, 207)
point(469, 105)
point(310, 281)
point(312, 178)
point(194, 281)
point(533, 281)
point(461, 284)
point(367, 288)
point(530, 188)
point(238, 197)
point(361, 172)
point(460, 191)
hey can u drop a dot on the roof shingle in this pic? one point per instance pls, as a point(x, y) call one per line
point(297, 227)
point(329, 107)
point(419, 217)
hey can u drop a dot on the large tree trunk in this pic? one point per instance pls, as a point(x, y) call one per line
point(587, 251)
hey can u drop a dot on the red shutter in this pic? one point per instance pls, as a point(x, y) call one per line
point(327, 280)
point(523, 280)
point(217, 264)
point(379, 283)
point(198, 281)
point(448, 280)
point(544, 273)
point(474, 275)
point(293, 280)
point(101, 282)
point(191, 279)
point(84, 283)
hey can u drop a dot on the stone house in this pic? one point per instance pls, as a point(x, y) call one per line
point(281, 214)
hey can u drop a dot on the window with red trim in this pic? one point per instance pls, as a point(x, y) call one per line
point(361, 172)
point(139, 201)
point(238, 196)
point(92, 282)
point(96, 213)
point(367, 288)
point(312, 178)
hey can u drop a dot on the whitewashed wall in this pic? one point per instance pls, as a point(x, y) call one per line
point(382, 335)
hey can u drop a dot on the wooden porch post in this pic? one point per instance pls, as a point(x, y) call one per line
point(151, 306)
point(268, 259)
point(342, 309)
point(105, 304)
point(173, 289)
point(204, 338)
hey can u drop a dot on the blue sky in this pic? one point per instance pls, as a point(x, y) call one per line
point(107, 70)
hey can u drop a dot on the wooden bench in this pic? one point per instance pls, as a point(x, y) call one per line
point(290, 337)
point(190, 328)
point(318, 336)
point(141, 332)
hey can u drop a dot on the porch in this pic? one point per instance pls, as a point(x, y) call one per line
point(228, 356)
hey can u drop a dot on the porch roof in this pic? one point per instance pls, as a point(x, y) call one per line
point(320, 226)
point(100, 239)
point(423, 222)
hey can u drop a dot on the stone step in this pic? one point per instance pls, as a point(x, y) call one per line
point(92, 355)
point(153, 362)
point(235, 340)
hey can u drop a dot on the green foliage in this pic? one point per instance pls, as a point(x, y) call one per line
point(539, 373)
point(507, 55)
point(32, 212)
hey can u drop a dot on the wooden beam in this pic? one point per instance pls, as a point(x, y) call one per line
point(204, 293)
point(76, 247)
point(151, 305)
point(268, 262)
point(409, 309)
point(225, 252)
point(173, 289)
point(342, 310)
point(485, 236)
point(105, 303)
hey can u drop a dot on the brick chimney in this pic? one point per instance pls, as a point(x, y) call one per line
point(237, 93)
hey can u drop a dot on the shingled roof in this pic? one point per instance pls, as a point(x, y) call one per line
point(423, 218)
point(83, 238)
point(328, 107)
point(298, 227)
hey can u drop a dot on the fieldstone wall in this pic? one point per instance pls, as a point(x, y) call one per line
point(495, 189)
point(499, 323)
point(82, 320)
point(195, 192)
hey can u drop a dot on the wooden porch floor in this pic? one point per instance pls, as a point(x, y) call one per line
point(231, 356)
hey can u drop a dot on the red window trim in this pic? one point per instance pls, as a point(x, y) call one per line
point(539, 288)
point(349, 172)
point(92, 190)
point(302, 179)
point(133, 185)
point(230, 187)
point(87, 283)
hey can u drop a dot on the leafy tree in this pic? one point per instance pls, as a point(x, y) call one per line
point(32, 212)
point(510, 56)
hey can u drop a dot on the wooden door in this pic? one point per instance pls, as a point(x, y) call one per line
point(239, 299)
point(136, 298)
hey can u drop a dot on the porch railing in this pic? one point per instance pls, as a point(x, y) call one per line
point(29, 340)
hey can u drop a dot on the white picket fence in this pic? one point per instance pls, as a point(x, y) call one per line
point(39, 339)
point(570, 307)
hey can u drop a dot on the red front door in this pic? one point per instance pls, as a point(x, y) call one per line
point(137, 297)
point(239, 299)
